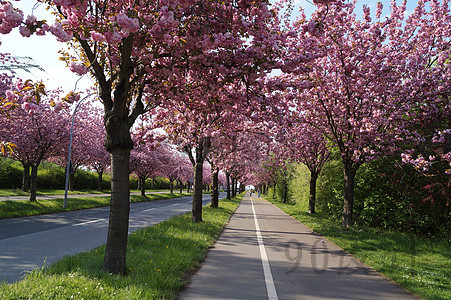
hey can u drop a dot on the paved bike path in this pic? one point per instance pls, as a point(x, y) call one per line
point(265, 254)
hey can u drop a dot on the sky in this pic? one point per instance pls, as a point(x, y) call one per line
point(44, 49)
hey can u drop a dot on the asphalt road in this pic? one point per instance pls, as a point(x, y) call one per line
point(30, 242)
point(265, 254)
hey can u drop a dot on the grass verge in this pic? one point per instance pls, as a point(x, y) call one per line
point(158, 260)
point(12, 209)
point(420, 265)
point(19, 192)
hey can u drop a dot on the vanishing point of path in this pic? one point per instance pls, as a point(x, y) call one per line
point(265, 254)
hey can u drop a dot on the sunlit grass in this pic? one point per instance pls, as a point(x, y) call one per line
point(159, 261)
point(421, 265)
point(11, 209)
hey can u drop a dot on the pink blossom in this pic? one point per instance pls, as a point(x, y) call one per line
point(24, 31)
point(78, 68)
point(97, 36)
point(59, 33)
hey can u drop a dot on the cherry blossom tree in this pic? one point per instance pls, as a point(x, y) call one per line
point(37, 131)
point(367, 77)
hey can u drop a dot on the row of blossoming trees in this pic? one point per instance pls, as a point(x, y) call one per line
point(202, 70)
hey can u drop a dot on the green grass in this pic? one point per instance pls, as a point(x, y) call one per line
point(19, 192)
point(421, 265)
point(12, 209)
point(159, 261)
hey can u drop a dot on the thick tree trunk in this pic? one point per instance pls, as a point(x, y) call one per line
point(33, 183)
point(348, 204)
point(143, 185)
point(312, 197)
point(26, 177)
point(215, 187)
point(116, 247)
point(228, 185)
point(197, 192)
point(100, 181)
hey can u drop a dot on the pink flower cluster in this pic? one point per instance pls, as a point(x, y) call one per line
point(33, 26)
point(78, 68)
point(59, 33)
point(128, 24)
point(9, 17)
point(71, 97)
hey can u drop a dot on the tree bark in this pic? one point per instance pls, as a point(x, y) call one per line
point(274, 191)
point(312, 197)
point(116, 247)
point(285, 193)
point(100, 181)
point(181, 186)
point(143, 186)
point(228, 185)
point(197, 192)
point(71, 181)
point(26, 177)
point(215, 187)
point(171, 186)
point(33, 182)
point(349, 171)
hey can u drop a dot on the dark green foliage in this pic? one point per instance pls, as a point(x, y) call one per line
point(10, 174)
point(387, 194)
point(50, 176)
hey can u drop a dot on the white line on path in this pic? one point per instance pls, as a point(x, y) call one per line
point(79, 224)
point(148, 209)
point(270, 287)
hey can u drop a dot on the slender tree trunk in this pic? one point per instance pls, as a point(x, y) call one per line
point(181, 186)
point(33, 182)
point(197, 192)
point(312, 197)
point(116, 247)
point(228, 185)
point(171, 186)
point(285, 192)
point(152, 184)
point(26, 177)
point(100, 181)
point(348, 204)
point(215, 187)
point(139, 183)
point(71, 180)
point(188, 184)
point(143, 185)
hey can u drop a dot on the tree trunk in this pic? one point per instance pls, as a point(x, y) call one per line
point(171, 186)
point(228, 185)
point(100, 181)
point(139, 183)
point(26, 177)
point(188, 187)
point(143, 185)
point(33, 182)
point(152, 184)
point(181, 186)
point(348, 204)
point(312, 197)
point(285, 193)
point(274, 191)
point(197, 192)
point(116, 247)
point(71, 181)
point(215, 187)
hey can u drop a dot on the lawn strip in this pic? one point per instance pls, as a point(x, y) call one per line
point(421, 265)
point(158, 259)
point(13, 209)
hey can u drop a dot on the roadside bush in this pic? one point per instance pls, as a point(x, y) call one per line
point(10, 174)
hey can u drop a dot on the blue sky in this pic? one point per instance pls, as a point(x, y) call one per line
point(44, 50)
